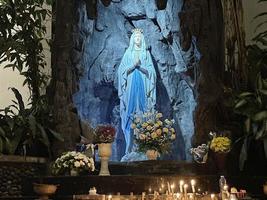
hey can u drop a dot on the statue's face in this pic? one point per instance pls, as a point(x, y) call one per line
point(137, 39)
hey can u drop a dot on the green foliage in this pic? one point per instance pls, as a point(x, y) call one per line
point(22, 34)
point(21, 127)
point(252, 104)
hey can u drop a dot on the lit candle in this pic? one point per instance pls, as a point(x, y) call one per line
point(185, 189)
point(169, 187)
point(225, 188)
point(172, 187)
point(150, 190)
point(212, 196)
point(181, 186)
point(109, 197)
point(193, 183)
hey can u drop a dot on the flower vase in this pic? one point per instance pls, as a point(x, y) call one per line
point(104, 152)
point(152, 154)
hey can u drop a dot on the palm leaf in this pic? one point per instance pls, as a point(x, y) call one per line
point(19, 98)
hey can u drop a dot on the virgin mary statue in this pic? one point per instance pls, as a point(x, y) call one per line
point(136, 84)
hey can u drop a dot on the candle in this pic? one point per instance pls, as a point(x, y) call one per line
point(225, 187)
point(193, 183)
point(169, 187)
point(185, 189)
point(109, 197)
point(150, 190)
point(212, 196)
point(172, 187)
point(181, 186)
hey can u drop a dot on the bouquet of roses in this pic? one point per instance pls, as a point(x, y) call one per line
point(153, 133)
point(104, 134)
point(73, 160)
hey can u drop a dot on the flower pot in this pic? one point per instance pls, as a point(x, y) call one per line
point(44, 190)
point(104, 152)
point(152, 154)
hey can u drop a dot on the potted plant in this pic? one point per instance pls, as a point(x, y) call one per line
point(251, 103)
point(152, 135)
point(104, 136)
point(220, 145)
point(73, 163)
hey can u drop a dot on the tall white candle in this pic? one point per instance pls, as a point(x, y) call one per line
point(185, 189)
point(212, 196)
point(193, 183)
point(181, 183)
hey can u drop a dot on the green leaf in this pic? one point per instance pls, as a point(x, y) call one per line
point(263, 92)
point(32, 125)
point(260, 116)
point(44, 136)
point(240, 103)
point(57, 135)
point(243, 154)
point(247, 125)
point(245, 94)
point(13, 144)
point(2, 132)
point(19, 99)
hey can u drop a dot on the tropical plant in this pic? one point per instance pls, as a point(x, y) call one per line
point(22, 33)
point(21, 127)
point(252, 104)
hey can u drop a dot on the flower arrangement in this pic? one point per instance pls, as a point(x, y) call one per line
point(104, 134)
point(73, 160)
point(220, 144)
point(152, 133)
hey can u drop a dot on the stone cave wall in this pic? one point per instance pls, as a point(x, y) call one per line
point(99, 45)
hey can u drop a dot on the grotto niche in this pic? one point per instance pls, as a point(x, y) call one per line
point(105, 39)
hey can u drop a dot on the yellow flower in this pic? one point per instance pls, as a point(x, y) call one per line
point(158, 115)
point(142, 137)
point(149, 128)
point(173, 137)
point(172, 130)
point(165, 130)
point(133, 126)
point(220, 144)
point(158, 131)
point(156, 125)
point(159, 123)
point(154, 135)
point(144, 125)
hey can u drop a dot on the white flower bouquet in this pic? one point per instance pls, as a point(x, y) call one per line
point(153, 133)
point(73, 161)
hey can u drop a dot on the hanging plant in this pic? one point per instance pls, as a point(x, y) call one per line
point(161, 4)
